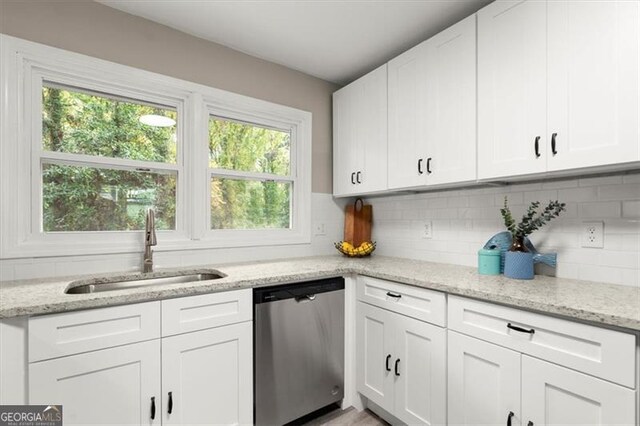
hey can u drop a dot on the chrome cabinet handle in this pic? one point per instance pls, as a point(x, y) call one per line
point(520, 329)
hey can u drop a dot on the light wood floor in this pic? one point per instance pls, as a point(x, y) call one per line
point(348, 417)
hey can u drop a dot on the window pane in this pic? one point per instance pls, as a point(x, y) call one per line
point(93, 124)
point(248, 147)
point(79, 198)
point(247, 204)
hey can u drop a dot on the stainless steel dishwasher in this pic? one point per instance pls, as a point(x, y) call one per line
point(299, 349)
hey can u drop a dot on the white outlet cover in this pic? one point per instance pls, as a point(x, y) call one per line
point(319, 229)
point(593, 234)
point(427, 230)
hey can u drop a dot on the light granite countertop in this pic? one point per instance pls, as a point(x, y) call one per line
point(598, 303)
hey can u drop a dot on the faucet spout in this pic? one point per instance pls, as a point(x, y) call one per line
point(149, 241)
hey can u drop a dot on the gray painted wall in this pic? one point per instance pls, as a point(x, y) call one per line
point(96, 30)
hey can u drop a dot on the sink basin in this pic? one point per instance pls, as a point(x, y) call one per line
point(140, 280)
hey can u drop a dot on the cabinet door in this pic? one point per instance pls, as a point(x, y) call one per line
point(593, 82)
point(512, 103)
point(375, 355)
point(344, 136)
point(360, 135)
point(209, 375)
point(484, 382)
point(451, 104)
point(419, 372)
point(553, 395)
point(407, 118)
point(116, 386)
point(372, 143)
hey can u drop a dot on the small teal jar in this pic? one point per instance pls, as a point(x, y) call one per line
point(489, 262)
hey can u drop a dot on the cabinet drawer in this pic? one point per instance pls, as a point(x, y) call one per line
point(425, 305)
point(597, 351)
point(56, 335)
point(193, 313)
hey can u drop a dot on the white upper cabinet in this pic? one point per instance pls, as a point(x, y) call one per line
point(432, 110)
point(593, 75)
point(360, 135)
point(451, 104)
point(557, 86)
point(511, 88)
point(407, 114)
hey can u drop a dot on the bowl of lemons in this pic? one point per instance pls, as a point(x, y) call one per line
point(364, 249)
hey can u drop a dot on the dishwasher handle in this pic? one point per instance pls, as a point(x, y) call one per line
point(305, 298)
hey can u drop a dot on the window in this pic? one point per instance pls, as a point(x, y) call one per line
point(251, 182)
point(88, 146)
point(86, 185)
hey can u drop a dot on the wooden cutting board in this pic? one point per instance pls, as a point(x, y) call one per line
point(357, 222)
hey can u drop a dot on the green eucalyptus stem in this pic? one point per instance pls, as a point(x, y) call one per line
point(533, 219)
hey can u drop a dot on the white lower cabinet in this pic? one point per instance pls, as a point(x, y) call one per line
point(204, 376)
point(401, 365)
point(553, 395)
point(492, 385)
point(483, 382)
point(207, 376)
point(115, 386)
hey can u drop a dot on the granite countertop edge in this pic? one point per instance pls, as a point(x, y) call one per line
point(612, 305)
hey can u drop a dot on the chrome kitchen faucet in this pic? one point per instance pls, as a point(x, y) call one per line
point(149, 240)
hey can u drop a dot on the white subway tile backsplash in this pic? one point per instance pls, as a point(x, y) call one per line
point(634, 178)
point(603, 180)
point(588, 193)
point(462, 221)
point(630, 191)
point(459, 201)
point(560, 184)
point(600, 210)
point(542, 196)
point(631, 209)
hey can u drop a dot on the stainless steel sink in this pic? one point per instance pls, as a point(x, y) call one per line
point(140, 280)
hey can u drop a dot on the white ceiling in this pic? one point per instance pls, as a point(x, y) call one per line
point(336, 40)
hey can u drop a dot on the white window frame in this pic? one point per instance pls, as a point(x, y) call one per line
point(25, 65)
point(300, 189)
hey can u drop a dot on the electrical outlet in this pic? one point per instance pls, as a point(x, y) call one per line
point(427, 230)
point(318, 228)
point(593, 234)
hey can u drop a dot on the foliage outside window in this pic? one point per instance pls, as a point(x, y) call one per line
point(110, 195)
point(250, 168)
